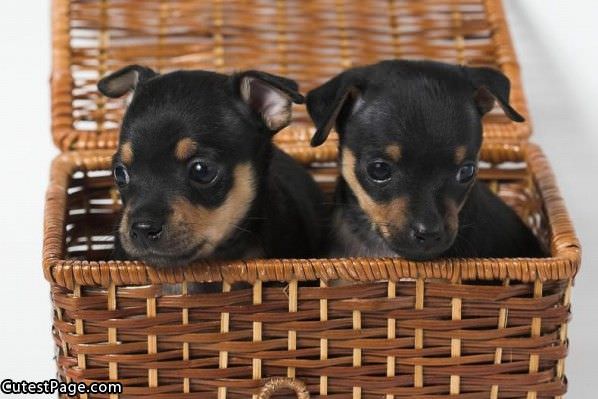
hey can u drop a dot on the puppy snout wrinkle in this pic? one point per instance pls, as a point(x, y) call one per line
point(146, 230)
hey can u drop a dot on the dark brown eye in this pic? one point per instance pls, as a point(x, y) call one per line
point(121, 175)
point(379, 171)
point(202, 171)
point(466, 173)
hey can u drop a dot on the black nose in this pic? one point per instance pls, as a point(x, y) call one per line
point(146, 230)
point(426, 234)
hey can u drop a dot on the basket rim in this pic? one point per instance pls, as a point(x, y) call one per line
point(67, 137)
point(563, 263)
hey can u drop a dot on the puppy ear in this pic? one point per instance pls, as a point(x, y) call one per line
point(269, 96)
point(491, 84)
point(327, 105)
point(124, 80)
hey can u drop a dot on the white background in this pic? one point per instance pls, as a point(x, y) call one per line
point(556, 41)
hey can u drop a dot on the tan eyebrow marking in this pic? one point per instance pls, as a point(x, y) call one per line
point(185, 148)
point(126, 153)
point(460, 153)
point(394, 152)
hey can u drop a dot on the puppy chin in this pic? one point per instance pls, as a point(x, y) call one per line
point(410, 252)
point(174, 257)
point(417, 255)
point(166, 261)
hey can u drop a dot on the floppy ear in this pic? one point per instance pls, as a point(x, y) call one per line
point(491, 84)
point(269, 96)
point(124, 80)
point(326, 105)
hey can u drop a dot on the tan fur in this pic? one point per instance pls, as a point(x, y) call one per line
point(215, 225)
point(185, 148)
point(126, 153)
point(123, 230)
point(452, 215)
point(460, 153)
point(394, 152)
point(387, 215)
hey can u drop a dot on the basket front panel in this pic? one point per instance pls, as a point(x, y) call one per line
point(404, 339)
point(469, 328)
point(309, 41)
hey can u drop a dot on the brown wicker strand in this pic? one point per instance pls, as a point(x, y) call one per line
point(418, 372)
point(503, 315)
point(292, 335)
point(185, 322)
point(62, 340)
point(536, 330)
point(357, 359)
point(459, 38)
point(224, 328)
point(256, 366)
point(152, 345)
point(282, 37)
point(323, 341)
point(61, 79)
point(391, 334)
point(112, 337)
point(218, 37)
point(560, 367)
point(80, 330)
point(456, 312)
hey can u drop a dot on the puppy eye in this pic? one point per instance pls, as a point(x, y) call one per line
point(121, 175)
point(466, 173)
point(379, 171)
point(202, 172)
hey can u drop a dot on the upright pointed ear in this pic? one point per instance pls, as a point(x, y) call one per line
point(327, 105)
point(124, 80)
point(269, 96)
point(490, 85)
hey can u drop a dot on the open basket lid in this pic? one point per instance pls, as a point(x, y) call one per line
point(309, 41)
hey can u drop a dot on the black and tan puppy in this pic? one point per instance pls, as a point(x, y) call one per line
point(410, 136)
point(198, 173)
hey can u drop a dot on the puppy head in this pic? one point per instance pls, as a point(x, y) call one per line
point(192, 149)
point(410, 134)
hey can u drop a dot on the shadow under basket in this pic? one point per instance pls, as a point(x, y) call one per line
point(465, 328)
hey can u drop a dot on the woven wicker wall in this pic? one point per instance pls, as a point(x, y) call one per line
point(309, 41)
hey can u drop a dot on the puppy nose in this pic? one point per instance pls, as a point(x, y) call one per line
point(146, 230)
point(425, 233)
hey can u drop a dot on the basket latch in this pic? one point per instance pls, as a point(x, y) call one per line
point(275, 384)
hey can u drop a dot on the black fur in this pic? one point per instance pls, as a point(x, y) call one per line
point(284, 218)
point(429, 110)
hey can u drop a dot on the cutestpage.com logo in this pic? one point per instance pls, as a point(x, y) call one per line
point(54, 386)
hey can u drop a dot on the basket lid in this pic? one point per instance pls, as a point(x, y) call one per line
point(308, 41)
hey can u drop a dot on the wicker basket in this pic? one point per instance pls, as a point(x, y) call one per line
point(464, 328)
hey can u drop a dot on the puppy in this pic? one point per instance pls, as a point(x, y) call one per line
point(410, 137)
point(198, 174)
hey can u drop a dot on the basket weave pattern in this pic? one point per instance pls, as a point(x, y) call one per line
point(476, 327)
point(464, 328)
point(309, 41)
